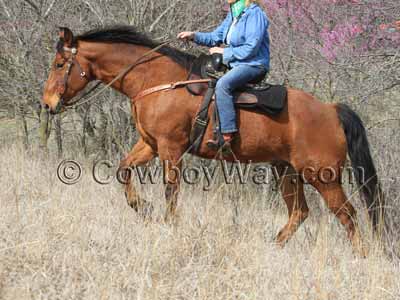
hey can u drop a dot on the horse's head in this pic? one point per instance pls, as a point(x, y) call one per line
point(70, 73)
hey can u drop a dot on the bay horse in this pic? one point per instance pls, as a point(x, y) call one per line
point(307, 135)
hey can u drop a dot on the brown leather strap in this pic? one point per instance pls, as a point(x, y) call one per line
point(169, 86)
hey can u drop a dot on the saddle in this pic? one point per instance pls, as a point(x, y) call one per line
point(257, 96)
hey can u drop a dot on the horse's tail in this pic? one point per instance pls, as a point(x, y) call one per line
point(362, 163)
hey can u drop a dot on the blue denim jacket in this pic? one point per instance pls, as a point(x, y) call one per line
point(249, 42)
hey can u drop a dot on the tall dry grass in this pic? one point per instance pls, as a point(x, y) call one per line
point(83, 242)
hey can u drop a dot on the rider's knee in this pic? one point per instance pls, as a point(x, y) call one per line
point(223, 85)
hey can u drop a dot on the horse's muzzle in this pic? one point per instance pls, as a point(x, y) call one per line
point(56, 110)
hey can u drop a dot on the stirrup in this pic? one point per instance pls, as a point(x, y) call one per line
point(226, 148)
point(214, 144)
point(218, 144)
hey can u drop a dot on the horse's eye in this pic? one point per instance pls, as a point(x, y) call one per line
point(59, 65)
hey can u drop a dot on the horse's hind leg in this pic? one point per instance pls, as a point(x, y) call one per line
point(337, 202)
point(292, 189)
point(139, 155)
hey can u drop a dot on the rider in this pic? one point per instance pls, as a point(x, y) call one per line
point(245, 33)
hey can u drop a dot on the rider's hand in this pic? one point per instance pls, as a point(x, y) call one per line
point(186, 35)
point(218, 50)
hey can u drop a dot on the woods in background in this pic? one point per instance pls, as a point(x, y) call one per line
point(345, 51)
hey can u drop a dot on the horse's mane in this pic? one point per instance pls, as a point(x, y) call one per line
point(129, 35)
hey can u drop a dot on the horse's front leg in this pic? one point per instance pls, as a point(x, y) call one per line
point(172, 174)
point(171, 157)
point(141, 154)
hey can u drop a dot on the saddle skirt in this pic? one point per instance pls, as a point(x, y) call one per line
point(260, 97)
point(270, 100)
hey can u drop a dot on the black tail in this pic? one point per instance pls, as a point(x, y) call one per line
point(361, 160)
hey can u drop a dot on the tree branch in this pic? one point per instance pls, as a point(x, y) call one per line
point(34, 6)
point(162, 15)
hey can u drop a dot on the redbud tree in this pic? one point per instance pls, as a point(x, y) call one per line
point(336, 48)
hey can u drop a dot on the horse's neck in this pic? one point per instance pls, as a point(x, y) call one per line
point(156, 69)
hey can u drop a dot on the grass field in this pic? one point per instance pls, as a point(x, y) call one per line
point(83, 242)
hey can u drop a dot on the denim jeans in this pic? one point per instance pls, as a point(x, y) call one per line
point(226, 85)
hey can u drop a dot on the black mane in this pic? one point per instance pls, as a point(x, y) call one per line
point(129, 35)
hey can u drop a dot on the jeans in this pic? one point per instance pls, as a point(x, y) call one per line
point(226, 85)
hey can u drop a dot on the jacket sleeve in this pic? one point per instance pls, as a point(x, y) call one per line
point(211, 39)
point(256, 25)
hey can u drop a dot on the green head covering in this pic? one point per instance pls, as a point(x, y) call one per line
point(238, 7)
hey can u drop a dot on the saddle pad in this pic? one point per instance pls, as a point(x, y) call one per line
point(270, 100)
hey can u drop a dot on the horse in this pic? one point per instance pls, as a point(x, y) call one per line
point(307, 135)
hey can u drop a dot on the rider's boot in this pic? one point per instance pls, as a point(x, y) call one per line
point(226, 145)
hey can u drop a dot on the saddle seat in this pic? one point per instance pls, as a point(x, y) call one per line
point(257, 95)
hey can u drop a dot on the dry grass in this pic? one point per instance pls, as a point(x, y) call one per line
point(75, 242)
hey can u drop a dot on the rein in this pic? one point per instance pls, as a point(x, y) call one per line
point(83, 74)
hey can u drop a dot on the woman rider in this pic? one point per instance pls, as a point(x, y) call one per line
point(245, 32)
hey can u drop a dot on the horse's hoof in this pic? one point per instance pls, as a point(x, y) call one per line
point(280, 244)
point(142, 207)
point(132, 204)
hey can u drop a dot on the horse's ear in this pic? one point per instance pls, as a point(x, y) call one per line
point(66, 36)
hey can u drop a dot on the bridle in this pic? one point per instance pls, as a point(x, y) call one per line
point(62, 91)
point(72, 61)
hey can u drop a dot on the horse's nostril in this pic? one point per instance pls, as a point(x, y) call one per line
point(46, 107)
